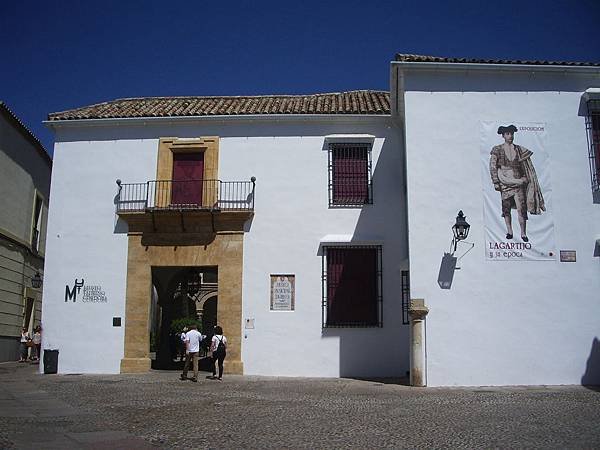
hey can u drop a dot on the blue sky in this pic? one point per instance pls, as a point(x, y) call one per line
point(64, 54)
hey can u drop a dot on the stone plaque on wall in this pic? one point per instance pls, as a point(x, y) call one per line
point(568, 256)
point(283, 293)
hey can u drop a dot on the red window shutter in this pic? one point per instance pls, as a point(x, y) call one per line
point(351, 286)
point(350, 174)
point(188, 171)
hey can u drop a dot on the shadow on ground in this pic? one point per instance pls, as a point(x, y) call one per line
point(389, 380)
point(205, 364)
point(591, 377)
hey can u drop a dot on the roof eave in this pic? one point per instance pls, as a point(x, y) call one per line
point(25, 132)
point(451, 66)
point(63, 123)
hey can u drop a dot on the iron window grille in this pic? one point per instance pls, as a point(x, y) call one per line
point(35, 240)
point(592, 124)
point(352, 287)
point(350, 183)
point(405, 296)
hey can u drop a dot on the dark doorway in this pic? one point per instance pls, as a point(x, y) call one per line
point(181, 296)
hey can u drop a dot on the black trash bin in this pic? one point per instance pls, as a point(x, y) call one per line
point(50, 361)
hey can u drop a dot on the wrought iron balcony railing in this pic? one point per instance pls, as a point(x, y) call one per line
point(186, 195)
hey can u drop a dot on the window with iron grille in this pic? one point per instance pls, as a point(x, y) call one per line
point(352, 289)
point(405, 296)
point(349, 175)
point(593, 128)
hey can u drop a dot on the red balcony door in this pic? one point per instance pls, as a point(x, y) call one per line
point(188, 171)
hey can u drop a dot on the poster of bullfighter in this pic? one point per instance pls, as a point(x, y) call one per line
point(517, 193)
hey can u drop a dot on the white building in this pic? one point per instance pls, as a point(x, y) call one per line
point(328, 177)
point(529, 316)
point(306, 266)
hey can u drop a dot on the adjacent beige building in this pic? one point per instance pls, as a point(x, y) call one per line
point(25, 169)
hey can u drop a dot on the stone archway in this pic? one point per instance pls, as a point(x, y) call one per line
point(200, 302)
point(176, 289)
point(207, 308)
point(224, 252)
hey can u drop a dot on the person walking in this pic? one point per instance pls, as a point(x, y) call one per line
point(23, 348)
point(37, 343)
point(181, 348)
point(219, 351)
point(192, 345)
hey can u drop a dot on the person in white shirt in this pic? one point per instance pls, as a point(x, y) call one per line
point(192, 346)
point(219, 351)
point(23, 348)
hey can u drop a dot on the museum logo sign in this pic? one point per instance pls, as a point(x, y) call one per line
point(85, 293)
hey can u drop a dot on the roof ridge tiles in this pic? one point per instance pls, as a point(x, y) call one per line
point(345, 102)
point(206, 97)
point(408, 57)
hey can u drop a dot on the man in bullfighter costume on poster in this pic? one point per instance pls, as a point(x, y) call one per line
point(513, 175)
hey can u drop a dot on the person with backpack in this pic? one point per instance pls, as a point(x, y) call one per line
point(219, 351)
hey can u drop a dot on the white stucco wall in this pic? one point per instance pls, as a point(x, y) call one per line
point(289, 160)
point(502, 322)
point(83, 242)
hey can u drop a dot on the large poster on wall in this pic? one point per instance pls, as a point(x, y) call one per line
point(517, 194)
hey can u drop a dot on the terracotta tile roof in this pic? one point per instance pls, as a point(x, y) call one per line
point(352, 102)
point(422, 58)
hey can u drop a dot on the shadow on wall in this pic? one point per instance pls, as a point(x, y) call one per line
point(591, 377)
point(354, 350)
point(120, 225)
point(373, 353)
point(368, 354)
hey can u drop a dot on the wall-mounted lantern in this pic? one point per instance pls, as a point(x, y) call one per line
point(460, 231)
point(36, 281)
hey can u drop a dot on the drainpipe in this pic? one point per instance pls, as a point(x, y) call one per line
point(418, 356)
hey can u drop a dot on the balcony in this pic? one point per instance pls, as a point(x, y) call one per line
point(191, 206)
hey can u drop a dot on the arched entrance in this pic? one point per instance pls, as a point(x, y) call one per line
point(224, 252)
point(207, 309)
point(183, 295)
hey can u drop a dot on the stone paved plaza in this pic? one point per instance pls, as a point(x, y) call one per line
point(156, 410)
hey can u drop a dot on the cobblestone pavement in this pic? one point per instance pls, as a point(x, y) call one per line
point(156, 410)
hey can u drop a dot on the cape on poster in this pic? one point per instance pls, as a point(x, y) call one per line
point(517, 195)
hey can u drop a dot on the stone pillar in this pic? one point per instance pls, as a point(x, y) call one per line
point(418, 364)
point(137, 310)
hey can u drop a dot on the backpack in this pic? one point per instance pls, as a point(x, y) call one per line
point(221, 347)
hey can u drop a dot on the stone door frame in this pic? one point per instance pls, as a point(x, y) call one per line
point(225, 252)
